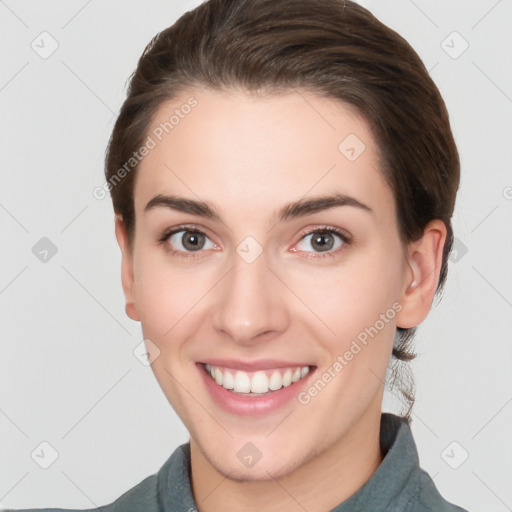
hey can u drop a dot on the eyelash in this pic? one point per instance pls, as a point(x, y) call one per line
point(164, 237)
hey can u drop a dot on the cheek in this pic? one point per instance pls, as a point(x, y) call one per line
point(168, 295)
point(350, 296)
point(359, 305)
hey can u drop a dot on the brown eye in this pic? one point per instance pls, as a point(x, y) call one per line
point(185, 241)
point(322, 241)
point(192, 240)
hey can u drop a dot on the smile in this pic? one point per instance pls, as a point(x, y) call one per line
point(257, 383)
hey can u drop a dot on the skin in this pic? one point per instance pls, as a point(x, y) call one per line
point(249, 157)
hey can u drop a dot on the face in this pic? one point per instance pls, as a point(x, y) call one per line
point(292, 307)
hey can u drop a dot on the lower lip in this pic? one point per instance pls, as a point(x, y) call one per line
point(251, 406)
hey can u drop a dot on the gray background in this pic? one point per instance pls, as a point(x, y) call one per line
point(68, 374)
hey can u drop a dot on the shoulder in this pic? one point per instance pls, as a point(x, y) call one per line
point(144, 496)
point(428, 498)
point(401, 475)
point(170, 485)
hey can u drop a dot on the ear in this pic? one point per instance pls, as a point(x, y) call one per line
point(424, 259)
point(126, 268)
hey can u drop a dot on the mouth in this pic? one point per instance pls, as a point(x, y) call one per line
point(256, 388)
point(258, 383)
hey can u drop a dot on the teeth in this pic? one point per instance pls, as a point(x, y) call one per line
point(276, 381)
point(287, 378)
point(242, 383)
point(229, 380)
point(258, 383)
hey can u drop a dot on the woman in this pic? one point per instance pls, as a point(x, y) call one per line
point(283, 175)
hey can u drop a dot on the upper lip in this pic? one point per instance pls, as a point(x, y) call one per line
point(248, 366)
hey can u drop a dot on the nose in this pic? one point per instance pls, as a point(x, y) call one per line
point(250, 304)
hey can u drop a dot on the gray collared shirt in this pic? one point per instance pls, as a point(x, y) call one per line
point(398, 485)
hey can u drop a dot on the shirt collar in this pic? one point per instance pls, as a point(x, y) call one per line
point(395, 483)
point(397, 480)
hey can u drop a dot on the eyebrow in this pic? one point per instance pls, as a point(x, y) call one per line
point(293, 210)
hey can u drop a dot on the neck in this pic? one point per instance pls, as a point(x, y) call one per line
point(320, 484)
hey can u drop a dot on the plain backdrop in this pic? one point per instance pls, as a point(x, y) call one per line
point(68, 376)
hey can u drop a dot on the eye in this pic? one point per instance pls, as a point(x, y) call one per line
point(327, 240)
point(183, 241)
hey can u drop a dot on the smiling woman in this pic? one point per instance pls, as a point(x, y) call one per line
point(280, 241)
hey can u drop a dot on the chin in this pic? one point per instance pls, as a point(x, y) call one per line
point(258, 473)
point(264, 469)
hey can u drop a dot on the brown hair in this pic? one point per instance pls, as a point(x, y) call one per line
point(335, 48)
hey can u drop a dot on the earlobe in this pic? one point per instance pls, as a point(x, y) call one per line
point(424, 262)
point(131, 311)
point(127, 275)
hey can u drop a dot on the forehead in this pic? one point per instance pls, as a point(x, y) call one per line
point(230, 146)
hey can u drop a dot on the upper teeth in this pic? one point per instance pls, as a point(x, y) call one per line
point(258, 382)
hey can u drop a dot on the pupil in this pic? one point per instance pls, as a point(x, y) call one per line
point(319, 242)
